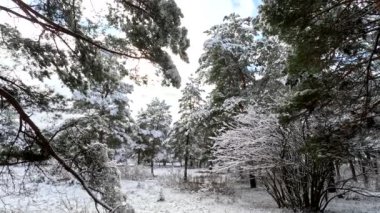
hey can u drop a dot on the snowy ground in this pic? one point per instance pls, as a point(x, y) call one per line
point(143, 195)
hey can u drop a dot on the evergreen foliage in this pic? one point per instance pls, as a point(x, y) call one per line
point(90, 57)
point(154, 126)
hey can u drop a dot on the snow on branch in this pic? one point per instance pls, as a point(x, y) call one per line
point(254, 142)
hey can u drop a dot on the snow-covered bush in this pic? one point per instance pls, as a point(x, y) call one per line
point(291, 168)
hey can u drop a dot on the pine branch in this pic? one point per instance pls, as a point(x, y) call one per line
point(43, 142)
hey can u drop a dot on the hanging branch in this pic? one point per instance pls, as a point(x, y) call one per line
point(48, 25)
point(44, 144)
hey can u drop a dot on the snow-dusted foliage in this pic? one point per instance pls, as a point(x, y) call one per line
point(8, 127)
point(104, 128)
point(186, 139)
point(80, 143)
point(154, 125)
point(112, 101)
point(50, 49)
point(245, 67)
point(259, 145)
point(295, 162)
point(227, 56)
point(253, 143)
point(191, 107)
point(148, 31)
point(104, 107)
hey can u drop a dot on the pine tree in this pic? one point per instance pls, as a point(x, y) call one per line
point(227, 58)
point(70, 47)
point(245, 67)
point(333, 72)
point(185, 137)
point(154, 124)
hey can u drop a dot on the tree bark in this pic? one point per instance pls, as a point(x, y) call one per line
point(191, 162)
point(152, 166)
point(252, 180)
point(331, 179)
point(138, 157)
point(337, 171)
point(365, 175)
point(186, 157)
point(376, 165)
point(352, 167)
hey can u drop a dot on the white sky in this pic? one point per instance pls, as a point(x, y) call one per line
point(199, 16)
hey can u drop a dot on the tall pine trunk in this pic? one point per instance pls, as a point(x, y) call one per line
point(337, 171)
point(365, 175)
point(138, 157)
point(186, 157)
point(252, 180)
point(152, 166)
point(366, 168)
point(377, 173)
point(352, 167)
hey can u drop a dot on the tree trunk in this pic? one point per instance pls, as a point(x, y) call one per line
point(152, 166)
point(377, 183)
point(376, 171)
point(101, 136)
point(337, 171)
point(191, 162)
point(365, 175)
point(252, 180)
point(331, 188)
point(186, 157)
point(352, 167)
point(138, 157)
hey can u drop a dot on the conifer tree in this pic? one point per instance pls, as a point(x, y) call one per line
point(72, 48)
point(154, 125)
point(185, 137)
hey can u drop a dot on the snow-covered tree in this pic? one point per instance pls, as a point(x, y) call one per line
point(253, 143)
point(227, 57)
point(292, 167)
point(244, 67)
point(103, 124)
point(186, 136)
point(333, 70)
point(225, 64)
point(66, 45)
point(106, 106)
point(154, 126)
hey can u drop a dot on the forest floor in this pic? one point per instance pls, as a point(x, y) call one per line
point(144, 192)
